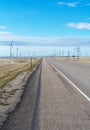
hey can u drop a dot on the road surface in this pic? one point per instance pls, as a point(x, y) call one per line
point(53, 103)
point(77, 72)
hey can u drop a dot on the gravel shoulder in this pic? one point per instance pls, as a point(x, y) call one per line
point(19, 117)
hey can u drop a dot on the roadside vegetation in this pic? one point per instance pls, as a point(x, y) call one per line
point(14, 73)
point(71, 58)
point(85, 59)
point(10, 68)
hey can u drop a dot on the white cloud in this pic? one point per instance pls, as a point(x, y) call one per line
point(5, 35)
point(79, 25)
point(43, 41)
point(88, 4)
point(74, 4)
point(60, 3)
point(89, 18)
point(2, 27)
point(70, 4)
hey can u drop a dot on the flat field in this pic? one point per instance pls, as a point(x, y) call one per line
point(11, 67)
point(81, 59)
point(85, 59)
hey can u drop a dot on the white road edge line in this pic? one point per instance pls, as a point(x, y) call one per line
point(71, 82)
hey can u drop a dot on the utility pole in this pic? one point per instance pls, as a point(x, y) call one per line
point(78, 52)
point(11, 45)
point(63, 54)
point(54, 52)
point(68, 53)
point(31, 63)
point(17, 50)
point(59, 53)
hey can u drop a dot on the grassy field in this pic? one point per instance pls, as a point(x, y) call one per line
point(10, 68)
point(85, 59)
point(81, 59)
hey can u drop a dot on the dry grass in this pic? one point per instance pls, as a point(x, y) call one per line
point(10, 68)
point(85, 59)
point(81, 59)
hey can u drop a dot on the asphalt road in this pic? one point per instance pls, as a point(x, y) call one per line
point(51, 102)
point(77, 72)
point(62, 107)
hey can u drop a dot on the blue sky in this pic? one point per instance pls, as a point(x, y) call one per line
point(48, 22)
